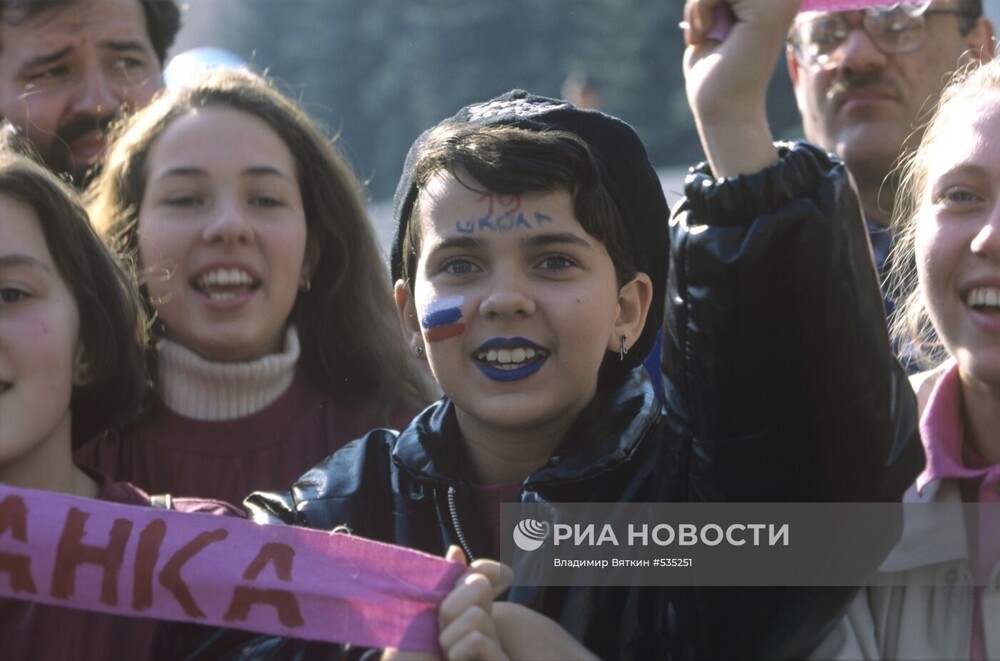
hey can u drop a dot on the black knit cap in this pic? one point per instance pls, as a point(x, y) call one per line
point(625, 171)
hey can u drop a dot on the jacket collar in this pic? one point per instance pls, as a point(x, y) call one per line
point(933, 528)
point(605, 433)
point(934, 522)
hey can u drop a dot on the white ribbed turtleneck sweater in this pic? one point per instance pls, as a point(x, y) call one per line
point(204, 390)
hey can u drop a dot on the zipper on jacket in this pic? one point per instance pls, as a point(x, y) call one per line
point(453, 510)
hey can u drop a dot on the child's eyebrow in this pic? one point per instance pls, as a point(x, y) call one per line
point(180, 171)
point(250, 171)
point(267, 171)
point(961, 169)
point(465, 242)
point(15, 260)
point(541, 240)
point(532, 241)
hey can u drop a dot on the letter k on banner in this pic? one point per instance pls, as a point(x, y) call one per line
point(219, 571)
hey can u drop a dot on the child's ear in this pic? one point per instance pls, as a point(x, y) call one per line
point(407, 311)
point(81, 367)
point(634, 299)
point(309, 260)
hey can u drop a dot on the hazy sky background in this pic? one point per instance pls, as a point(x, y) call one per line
point(200, 28)
point(216, 23)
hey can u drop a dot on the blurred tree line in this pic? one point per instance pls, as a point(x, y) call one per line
point(378, 72)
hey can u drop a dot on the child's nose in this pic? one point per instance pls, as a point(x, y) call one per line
point(986, 242)
point(508, 295)
point(228, 225)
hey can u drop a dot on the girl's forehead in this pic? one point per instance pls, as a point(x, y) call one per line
point(219, 137)
point(21, 227)
point(967, 144)
point(976, 136)
point(22, 239)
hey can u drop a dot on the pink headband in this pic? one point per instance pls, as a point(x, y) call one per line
point(844, 5)
point(724, 14)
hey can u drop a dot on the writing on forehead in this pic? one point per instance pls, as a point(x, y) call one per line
point(496, 200)
point(503, 221)
point(512, 108)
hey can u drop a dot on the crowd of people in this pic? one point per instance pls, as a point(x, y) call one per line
point(194, 311)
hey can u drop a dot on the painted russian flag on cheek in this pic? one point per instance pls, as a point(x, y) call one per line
point(442, 319)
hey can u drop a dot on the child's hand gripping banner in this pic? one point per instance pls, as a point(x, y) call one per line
point(220, 571)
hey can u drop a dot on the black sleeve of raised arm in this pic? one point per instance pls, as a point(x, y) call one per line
point(778, 375)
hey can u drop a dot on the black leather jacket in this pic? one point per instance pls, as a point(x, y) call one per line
point(780, 386)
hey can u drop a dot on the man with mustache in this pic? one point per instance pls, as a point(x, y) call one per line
point(866, 80)
point(68, 67)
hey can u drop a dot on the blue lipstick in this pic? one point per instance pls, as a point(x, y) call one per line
point(505, 375)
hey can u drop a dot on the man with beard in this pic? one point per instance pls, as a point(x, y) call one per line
point(866, 81)
point(68, 67)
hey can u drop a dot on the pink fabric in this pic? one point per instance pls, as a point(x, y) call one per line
point(944, 444)
point(26, 628)
point(948, 457)
point(220, 571)
point(843, 5)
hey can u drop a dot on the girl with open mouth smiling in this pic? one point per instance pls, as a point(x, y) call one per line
point(939, 598)
point(275, 334)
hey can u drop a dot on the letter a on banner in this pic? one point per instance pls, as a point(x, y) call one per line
point(219, 571)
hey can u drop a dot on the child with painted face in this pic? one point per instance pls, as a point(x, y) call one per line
point(535, 259)
point(276, 339)
point(72, 343)
point(944, 573)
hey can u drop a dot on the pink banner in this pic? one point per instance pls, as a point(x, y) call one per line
point(844, 5)
point(221, 571)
